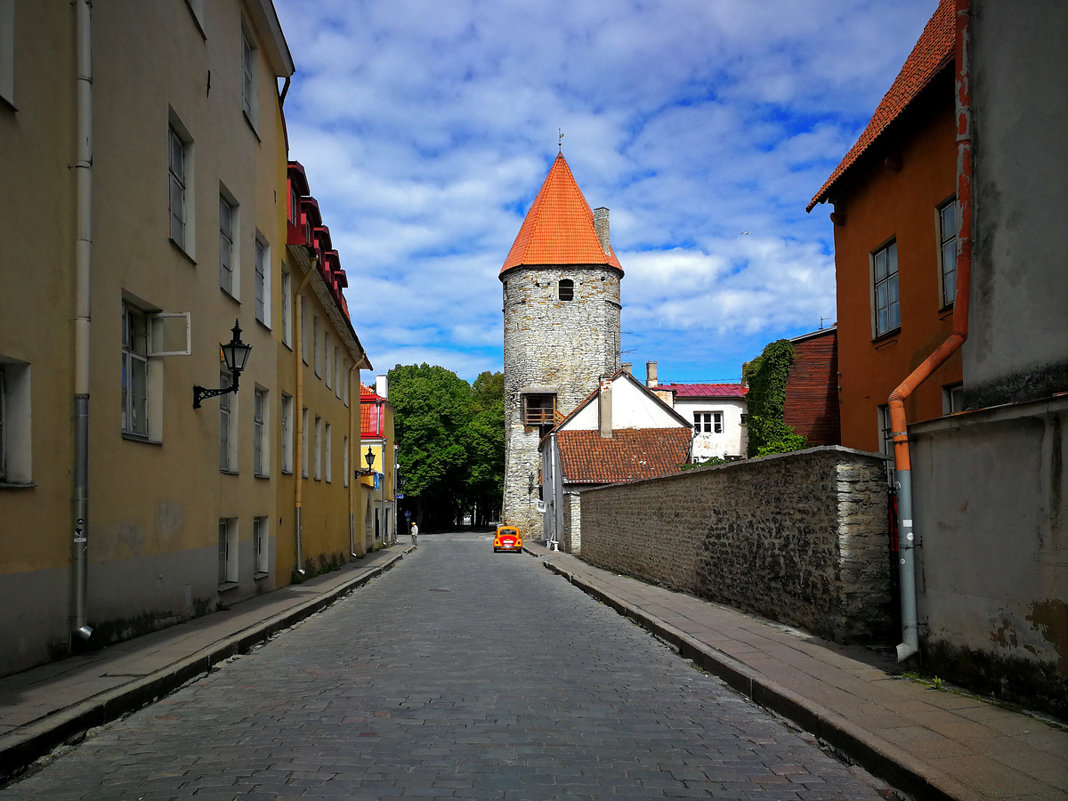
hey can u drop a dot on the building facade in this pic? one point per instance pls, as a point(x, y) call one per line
point(810, 405)
point(561, 284)
point(378, 461)
point(144, 213)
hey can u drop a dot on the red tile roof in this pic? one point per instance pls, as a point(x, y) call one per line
point(932, 53)
point(558, 229)
point(371, 422)
point(588, 458)
point(707, 390)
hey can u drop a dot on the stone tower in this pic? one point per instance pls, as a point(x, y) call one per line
point(561, 328)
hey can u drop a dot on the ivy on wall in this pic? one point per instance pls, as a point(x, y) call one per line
point(766, 376)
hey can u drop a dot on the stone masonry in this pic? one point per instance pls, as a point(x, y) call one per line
point(801, 538)
point(551, 346)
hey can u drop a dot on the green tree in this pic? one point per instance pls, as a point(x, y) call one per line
point(485, 445)
point(766, 376)
point(431, 414)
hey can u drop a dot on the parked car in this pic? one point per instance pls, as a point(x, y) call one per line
point(507, 538)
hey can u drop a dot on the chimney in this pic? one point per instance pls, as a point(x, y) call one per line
point(628, 368)
point(600, 226)
point(604, 407)
point(382, 386)
point(650, 375)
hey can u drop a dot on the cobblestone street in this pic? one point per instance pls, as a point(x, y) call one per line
point(459, 674)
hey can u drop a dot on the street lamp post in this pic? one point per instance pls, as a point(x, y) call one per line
point(235, 354)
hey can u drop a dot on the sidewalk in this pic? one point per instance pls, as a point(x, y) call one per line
point(930, 743)
point(46, 706)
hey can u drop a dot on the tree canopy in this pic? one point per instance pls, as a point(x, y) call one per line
point(450, 438)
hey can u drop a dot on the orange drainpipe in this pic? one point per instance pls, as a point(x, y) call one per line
point(898, 421)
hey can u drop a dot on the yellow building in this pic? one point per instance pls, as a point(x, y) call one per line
point(144, 210)
point(378, 464)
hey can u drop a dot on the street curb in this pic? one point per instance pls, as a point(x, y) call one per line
point(880, 758)
point(19, 748)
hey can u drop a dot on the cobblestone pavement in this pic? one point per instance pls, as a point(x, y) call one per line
point(463, 674)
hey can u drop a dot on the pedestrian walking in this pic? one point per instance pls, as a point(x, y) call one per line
point(415, 534)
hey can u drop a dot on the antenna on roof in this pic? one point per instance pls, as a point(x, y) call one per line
point(560, 139)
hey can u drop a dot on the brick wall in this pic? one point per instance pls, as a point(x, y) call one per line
point(800, 538)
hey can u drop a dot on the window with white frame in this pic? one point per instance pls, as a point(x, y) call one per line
point(15, 461)
point(228, 575)
point(318, 448)
point(338, 376)
point(180, 178)
point(947, 255)
point(261, 455)
point(953, 398)
point(287, 433)
point(134, 372)
point(227, 255)
point(248, 77)
point(303, 329)
point(286, 288)
point(887, 302)
point(317, 356)
point(227, 417)
point(345, 445)
point(263, 280)
point(261, 547)
point(346, 392)
point(328, 453)
point(7, 50)
point(708, 422)
point(304, 442)
point(328, 377)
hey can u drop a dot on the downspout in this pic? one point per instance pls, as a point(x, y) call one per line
point(899, 425)
point(354, 436)
point(83, 263)
point(298, 412)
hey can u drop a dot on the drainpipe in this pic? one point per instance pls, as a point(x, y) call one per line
point(354, 436)
point(83, 263)
point(298, 412)
point(898, 422)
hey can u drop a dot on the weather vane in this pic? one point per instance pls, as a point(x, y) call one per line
point(560, 139)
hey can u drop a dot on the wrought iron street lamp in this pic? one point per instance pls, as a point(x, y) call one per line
point(235, 354)
point(370, 457)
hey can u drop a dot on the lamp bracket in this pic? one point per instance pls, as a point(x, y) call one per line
point(200, 393)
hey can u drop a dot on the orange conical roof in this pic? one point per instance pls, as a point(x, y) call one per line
point(559, 227)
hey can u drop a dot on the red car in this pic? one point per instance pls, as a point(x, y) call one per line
point(507, 538)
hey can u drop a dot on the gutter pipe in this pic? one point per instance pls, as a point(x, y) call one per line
point(898, 422)
point(83, 262)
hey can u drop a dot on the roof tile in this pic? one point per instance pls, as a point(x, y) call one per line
point(588, 458)
point(707, 390)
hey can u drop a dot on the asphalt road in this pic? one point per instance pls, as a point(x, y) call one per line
point(459, 674)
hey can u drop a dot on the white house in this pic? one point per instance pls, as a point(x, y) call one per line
point(717, 413)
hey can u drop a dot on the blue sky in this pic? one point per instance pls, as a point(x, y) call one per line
point(427, 127)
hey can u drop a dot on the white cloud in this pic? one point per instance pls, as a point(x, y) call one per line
point(426, 128)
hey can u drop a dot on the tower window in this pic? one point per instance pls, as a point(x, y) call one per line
point(538, 410)
point(567, 289)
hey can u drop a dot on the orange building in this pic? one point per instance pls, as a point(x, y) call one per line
point(895, 231)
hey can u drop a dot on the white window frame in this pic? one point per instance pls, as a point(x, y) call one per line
point(248, 76)
point(947, 252)
point(229, 275)
point(328, 455)
point(262, 269)
point(135, 415)
point(16, 462)
point(287, 433)
point(304, 456)
point(317, 356)
point(227, 426)
point(286, 289)
point(261, 438)
point(328, 373)
point(261, 550)
point(181, 190)
point(953, 398)
point(884, 266)
point(303, 330)
point(318, 449)
point(338, 365)
point(345, 445)
point(228, 551)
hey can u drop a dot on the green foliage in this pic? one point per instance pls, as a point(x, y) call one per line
point(766, 376)
point(712, 460)
point(451, 441)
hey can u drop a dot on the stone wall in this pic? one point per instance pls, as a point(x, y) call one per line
point(551, 345)
point(801, 538)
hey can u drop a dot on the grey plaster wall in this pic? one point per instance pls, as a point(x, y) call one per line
point(801, 538)
point(1017, 349)
point(990, 514)
point(549, 344)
